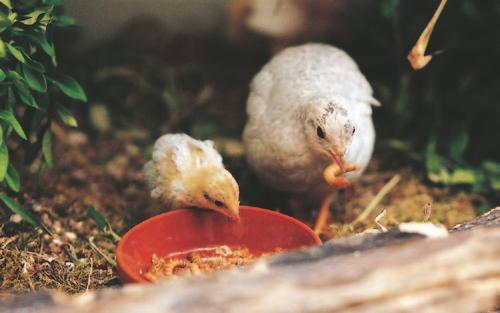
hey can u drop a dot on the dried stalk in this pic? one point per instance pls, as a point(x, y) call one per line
point(417, 57)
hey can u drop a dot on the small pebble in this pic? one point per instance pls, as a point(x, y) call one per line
point(77, 138)
point(45, 266)
point(26, 267)
point(16, 218)
point(37, 207)
point(99, 117)
point(69, 265)
point(132, 150)
point(46, 219)
point(60, 199)
point(70, 235)
point(57, 226)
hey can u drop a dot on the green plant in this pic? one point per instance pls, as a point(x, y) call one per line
point(446, 114)
point(31, 88)
point(103, 224)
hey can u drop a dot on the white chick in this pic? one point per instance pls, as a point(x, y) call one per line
point(309, 106)
point(185, 172)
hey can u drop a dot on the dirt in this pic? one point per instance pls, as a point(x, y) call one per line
point(105, 172)
point(100, 164)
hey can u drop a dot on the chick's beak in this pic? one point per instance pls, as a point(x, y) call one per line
point(337, 158)
point(233, 213)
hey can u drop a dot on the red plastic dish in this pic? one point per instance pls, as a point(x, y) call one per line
point(179, 230)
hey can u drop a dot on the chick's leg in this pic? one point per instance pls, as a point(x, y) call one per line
point(331, 176)
point(323, 214)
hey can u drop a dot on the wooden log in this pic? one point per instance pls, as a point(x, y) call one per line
point(387, 272)
point(489, 219)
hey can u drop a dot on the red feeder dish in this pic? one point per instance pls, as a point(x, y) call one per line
point(259, 230)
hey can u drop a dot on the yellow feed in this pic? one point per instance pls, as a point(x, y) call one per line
point(193, 263)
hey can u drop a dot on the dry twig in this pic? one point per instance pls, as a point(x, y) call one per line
point(379, 217)
point(90, 274)
point(376, 200)
point(417, 57)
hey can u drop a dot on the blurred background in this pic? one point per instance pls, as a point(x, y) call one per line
point(146, 62)
point(155, 66)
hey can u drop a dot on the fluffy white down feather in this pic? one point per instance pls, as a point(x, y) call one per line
point(173, 158)
point(299, 77)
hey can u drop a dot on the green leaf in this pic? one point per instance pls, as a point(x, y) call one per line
point(441, 176)
point(11, 119)
point(11, 99)
point(3, 51)
point(462, 176)
point(4, 160)
point(388, 8)
point(102, 223)
point(26, 215)
point(32, 17)
point(66, 116)
point(41, 169)
point(109, 259)
point(64, 21)
point(44, 22)
point(97, 217)
point(15, 52)
point(53, 2)
point(203, 130)
point(434, 163)
point(495, 183)
point(458, 145)
point(69, 86)
point(22, 89)
point(484, 208)
point(13, 17)
point(47, 147)
point(16, 208)
point(471, 9)
point(491, 167)
point(34, 79)
point(6, 3)
point(42, 41)
point(1, 134)
point(2, 75)
point(37, 119)
point(4, 22)
point(12, 178)
point(34, 65)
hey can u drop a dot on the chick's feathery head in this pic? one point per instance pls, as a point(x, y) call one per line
point(215, 188)
point(329, 130)
point(185, 172)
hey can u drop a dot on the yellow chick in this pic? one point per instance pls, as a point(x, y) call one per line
point(185, 172)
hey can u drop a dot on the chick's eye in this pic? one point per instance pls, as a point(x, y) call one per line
point(353, 130)
point(320, 132)
point(216, 202)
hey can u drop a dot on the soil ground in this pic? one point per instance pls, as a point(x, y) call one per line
point(135, 95)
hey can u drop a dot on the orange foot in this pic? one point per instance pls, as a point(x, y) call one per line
point(323, 215)
point(331, 175)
